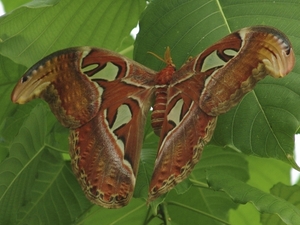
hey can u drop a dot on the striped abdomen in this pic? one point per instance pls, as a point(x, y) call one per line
point(159, 108)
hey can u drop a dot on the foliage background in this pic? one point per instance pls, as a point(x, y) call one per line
point(248, 160)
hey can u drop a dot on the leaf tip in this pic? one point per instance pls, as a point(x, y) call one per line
point(293, 162)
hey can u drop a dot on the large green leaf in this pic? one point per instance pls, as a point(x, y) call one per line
point(11, 5)
point(9, 73)
point(265, 203)
point(36, 185)
point(265, 122)
point(28, 34)
point(188, 27)
point(245, 214)
point(290, 194)
point(264, 173)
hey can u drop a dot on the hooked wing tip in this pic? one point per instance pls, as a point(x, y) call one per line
point(16, 95)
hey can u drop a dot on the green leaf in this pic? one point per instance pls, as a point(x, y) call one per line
point(290, 194)
point(9, 73)
point(29, 34)
point(280, 14)
point(15, 171)
point(243, 193)
point(264, 173)
point(188, 27)
point(36, 186)
point(41, 3)
point(11, 5)
point(135, 211)
point(267, 128)
point(245, 214)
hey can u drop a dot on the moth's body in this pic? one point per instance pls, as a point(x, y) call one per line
point(104, 99)
point(162, 80)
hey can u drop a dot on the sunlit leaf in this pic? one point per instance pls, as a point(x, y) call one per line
point(264, 202)
point(264, 173)
point(290, 194)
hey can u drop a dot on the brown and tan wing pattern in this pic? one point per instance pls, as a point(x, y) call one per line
point(185, 132)
point(104, 98)
point(208, 85)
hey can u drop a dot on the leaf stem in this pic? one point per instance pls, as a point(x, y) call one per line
point(199, 184)
point(126, 50)
point(165, 214)
point(55, 149)
point(149, 216)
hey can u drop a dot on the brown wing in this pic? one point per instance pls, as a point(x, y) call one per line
point(207, 86)
point(186, 130)
point(103, 98)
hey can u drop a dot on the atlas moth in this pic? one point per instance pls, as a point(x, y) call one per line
point(104, 98)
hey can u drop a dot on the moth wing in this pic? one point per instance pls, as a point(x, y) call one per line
point(103, 98)
point(207, 86)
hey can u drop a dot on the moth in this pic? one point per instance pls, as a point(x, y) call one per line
point(104, 99)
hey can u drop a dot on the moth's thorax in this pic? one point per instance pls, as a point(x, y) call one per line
point(164, 76)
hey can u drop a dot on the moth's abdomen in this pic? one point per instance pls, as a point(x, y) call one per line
point(159, 108)
point(162, 81)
